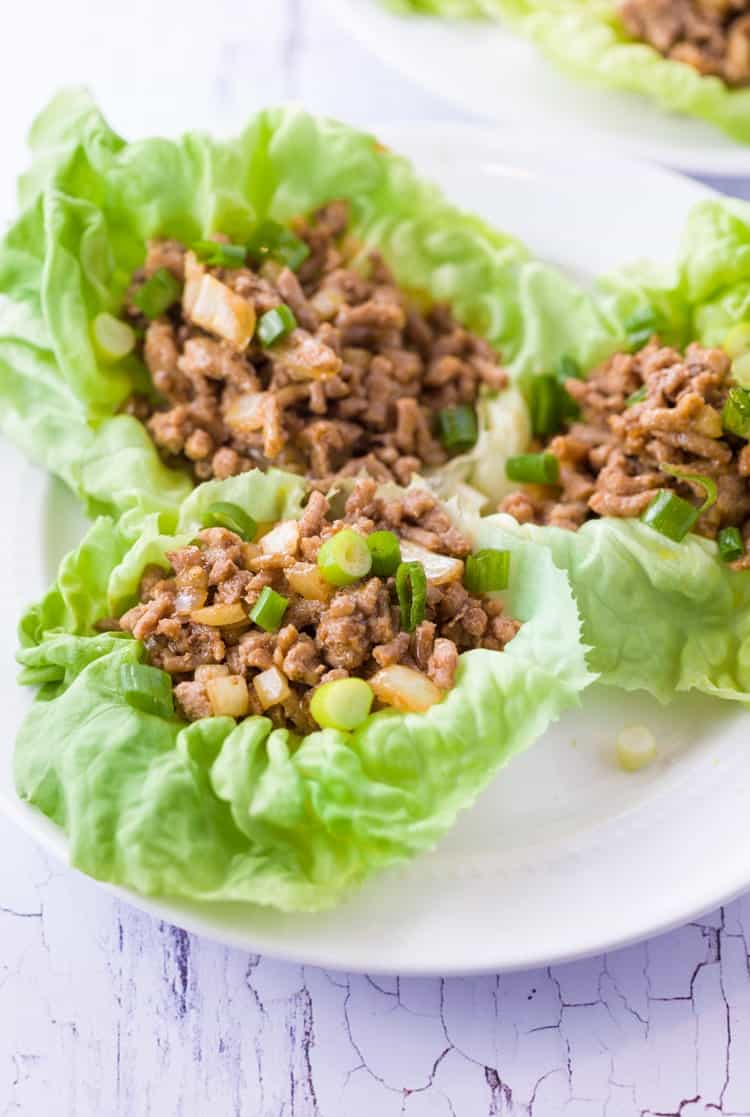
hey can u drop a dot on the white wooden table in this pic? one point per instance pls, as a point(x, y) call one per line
point(106, 1013)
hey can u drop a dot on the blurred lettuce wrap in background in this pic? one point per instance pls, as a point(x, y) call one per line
point(90, 201)
point(587, 40)
point(225, 810)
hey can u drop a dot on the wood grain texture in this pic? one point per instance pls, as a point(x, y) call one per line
point(105, 1012)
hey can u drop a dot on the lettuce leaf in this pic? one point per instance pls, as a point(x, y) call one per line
point(90, 201)
point(219, 810)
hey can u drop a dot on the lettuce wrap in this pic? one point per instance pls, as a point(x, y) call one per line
point(90, 201)
point(586, 39)
point(225, 810)
point(662, 616)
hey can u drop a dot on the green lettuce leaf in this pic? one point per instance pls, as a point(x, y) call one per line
point(90, 201)
point(219, 810)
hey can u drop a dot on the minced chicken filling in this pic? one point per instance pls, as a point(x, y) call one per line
point(326, 632)
point(640, 413)
point(712, 36)
point(357, 385)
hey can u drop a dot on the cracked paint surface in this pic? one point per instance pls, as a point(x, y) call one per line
point(106, 1012)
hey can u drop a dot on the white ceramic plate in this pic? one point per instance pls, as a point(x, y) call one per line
point(564, 854)
point(492, 72)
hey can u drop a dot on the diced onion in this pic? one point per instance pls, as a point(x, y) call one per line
point(306, 579)
point(219, 615)
point(228, 696)
point(327, 302)
point(636, 748)
point(404, 688)
point(209, 303)
point(248, 412)
point(113, 338)
point(439, 569)
point(283, 539)
point(737, 341)
point(271, 687)
point(206, 671)
point(305, 358)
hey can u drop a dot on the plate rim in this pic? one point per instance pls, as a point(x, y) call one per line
point(732, 161)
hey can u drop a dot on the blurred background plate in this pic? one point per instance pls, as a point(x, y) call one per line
point(564, 854)
point(491, 72)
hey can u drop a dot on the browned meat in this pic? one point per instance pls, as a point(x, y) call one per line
point(610, 459)
point(712, 36)
point(354, 388)
point(352, 630)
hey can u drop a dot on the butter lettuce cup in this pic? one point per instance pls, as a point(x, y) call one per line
point(267, 693)
point(173, 311)
point(638, 474)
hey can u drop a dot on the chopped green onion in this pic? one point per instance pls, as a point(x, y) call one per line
point(535, 469)
point(273, 240)
point(737, 341)
point(147, 689)
point(269, 609)
point(275, 324)
point(113, 338)
point(545, 405)
point(411, 588)
point(344, 558)
point(457, 427)
point(670, 515)
point(231, 516)
point(741, 370)
point(731, 545)
point(385, 550)
point(640, 327)
point(637, 396)
point(158, 293)
point(487, 571)
point(735, 415)
point(701, 479)
point(342, 704)
point(220, 255)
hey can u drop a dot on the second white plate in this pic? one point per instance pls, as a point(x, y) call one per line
point(491, 72)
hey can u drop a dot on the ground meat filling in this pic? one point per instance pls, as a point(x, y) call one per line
point(356, 386)
point(712, 36)
point(339, 632)
point(611, 458)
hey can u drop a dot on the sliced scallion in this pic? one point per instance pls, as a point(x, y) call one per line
point(640, 327)
point(344, 558)
point(270, 239)
point(487, 571)
point(638, 396)
point(706, 483)
point(269, 609)
point(385, 550)
point(533, 469)
point(232, 517)
point(220, 255)
point(275, 324)
point(731, 545)
point(147, 689)
point(113, 338)
point(670, 515)
point(735, 415)
point(158, 293)
point(545, 398)
point(342, 704)
point(411, 588)
point(458, 429)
